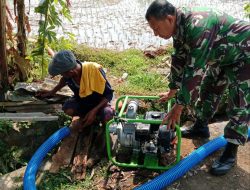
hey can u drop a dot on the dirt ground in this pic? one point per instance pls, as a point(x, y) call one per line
point(197, 178)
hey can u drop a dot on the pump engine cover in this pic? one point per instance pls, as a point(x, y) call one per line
point(154, 115)
point(142, 132)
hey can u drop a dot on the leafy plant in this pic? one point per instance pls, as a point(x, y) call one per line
point(23, 124)
point(9, 158)
point(5, 126)
point(247, 10)
point(63, 119)
point(55, 181)
point(51, 12)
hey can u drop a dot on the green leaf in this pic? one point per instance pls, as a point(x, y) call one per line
point(52, 12)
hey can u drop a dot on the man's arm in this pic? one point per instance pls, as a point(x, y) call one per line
point(176, 72)
point(108, 91)
point(104, 101)
point(52, 92)
point(106, 97)
point(91, 115)
point(60, 85)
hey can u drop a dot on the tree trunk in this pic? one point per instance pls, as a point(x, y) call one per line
point(3, 57)
point(21, 34)
point(21, 37)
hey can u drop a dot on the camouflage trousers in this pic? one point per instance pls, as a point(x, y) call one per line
point(214, 82)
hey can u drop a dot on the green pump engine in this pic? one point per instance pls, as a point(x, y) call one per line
point(140, 139)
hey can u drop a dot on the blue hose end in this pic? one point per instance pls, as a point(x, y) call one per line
point(29, 180)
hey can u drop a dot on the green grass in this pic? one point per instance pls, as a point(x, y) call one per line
point(140, 80)
point(143, 84)
point(63, 179)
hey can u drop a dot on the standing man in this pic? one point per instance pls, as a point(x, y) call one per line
point(219, 44)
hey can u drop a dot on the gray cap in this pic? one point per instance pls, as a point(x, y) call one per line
point(62, 62)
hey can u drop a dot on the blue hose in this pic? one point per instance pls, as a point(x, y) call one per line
point(159, 182)
point(29, 181)
point(186, 164)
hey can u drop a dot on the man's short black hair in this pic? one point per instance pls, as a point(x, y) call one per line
point(159, 9)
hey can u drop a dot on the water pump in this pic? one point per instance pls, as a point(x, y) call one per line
point(140, 139)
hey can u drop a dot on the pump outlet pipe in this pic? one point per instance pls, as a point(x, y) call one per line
point(186, 164)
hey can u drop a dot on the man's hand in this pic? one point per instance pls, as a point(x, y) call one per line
point(89, 118)
point(173, 117)
point(165, 96)
point(45, 93)
point(76, 123)
point(91, 115)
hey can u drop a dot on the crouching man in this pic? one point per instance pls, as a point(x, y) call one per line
point(92, 91)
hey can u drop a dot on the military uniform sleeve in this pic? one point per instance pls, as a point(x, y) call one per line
point(177, 65)
point(201, 33)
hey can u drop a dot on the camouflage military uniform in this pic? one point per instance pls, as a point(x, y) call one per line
point(218, 44)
